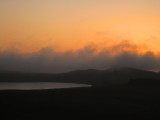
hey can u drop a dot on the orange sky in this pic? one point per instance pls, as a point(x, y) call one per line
point(29, 25)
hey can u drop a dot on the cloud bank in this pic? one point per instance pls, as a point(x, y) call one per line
point(47, 60)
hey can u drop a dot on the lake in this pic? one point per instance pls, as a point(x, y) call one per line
point(39, 85)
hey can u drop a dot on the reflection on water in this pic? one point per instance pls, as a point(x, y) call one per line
point(39, 86)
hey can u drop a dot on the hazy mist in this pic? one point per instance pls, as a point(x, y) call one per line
point(47, 60)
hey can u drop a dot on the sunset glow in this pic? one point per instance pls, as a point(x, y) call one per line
point(63, 25)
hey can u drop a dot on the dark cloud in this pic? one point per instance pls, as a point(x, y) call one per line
point(48, 60)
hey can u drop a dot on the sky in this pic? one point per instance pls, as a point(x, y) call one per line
point(63, 29)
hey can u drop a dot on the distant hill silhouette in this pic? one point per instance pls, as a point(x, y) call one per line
point(7, 71)
point(112, 76)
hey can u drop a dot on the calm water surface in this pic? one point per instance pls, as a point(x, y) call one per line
point(39, 86)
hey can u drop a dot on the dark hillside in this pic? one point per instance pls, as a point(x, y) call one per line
point(113, 76)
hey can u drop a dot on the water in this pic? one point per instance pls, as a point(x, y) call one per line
point(39, 86)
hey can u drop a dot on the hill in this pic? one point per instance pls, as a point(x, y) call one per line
point(112, 76)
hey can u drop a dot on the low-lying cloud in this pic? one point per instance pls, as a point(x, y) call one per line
point(50, 61)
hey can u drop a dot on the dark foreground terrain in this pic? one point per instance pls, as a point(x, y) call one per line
point(121, 101)
point(116, 93)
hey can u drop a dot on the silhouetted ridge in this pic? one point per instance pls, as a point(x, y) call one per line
point(88, 71)
point(8, 71)
point(112, 76)
point(126, 69)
